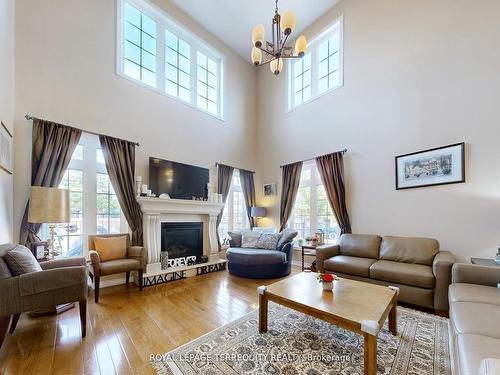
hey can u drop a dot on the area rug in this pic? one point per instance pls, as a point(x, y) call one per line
point(299, 344)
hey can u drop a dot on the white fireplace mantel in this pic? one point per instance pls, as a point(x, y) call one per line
point(157, 210)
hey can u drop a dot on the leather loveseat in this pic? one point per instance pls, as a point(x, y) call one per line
point(474, 297)
point(415, 265)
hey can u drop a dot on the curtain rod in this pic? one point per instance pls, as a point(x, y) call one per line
point(342, 152)
point(30, 118)
point(241, 169)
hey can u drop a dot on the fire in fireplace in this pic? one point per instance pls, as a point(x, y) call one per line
point(183, 242)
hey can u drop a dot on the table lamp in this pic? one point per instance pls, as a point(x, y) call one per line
point(258, 212)
point(50, 206)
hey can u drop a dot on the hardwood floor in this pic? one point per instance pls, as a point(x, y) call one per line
point(127, 326)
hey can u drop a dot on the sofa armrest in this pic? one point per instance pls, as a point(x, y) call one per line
point(323, 253)
point(288, 250)
point(441, 267)
point(9, 295)
point(95, 262)
point(53, 279)
point(63, 262)
point(138, 253)
point(489, 366)
point(475, 274)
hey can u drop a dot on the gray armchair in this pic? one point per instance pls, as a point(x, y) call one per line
point(60, 281)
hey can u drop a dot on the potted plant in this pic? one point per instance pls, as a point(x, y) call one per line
point(326, 280)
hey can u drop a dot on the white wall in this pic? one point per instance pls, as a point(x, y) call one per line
point(418, 74)
point(7, 12)
point(66, 72)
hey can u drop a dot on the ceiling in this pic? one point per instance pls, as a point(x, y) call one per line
point(232, 21)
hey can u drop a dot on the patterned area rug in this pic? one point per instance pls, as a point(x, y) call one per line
point(299, 344)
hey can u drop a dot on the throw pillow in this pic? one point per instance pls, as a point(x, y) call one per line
point(268, 241)
point(249, 238)
point(235, 238)
point(21, 260)
point(287, 235)
point(111, 248)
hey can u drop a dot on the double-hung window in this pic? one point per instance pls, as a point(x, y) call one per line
point(235, 216)
point(320, 70)
point(154, 50)
point(312, 212)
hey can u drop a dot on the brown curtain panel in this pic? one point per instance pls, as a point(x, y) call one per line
point(52, 148)
point(224, 177)
point(290, 180)
point(119, 156)
point(331, 169)
point(248, 187)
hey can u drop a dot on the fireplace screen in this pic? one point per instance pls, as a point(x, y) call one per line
point(183, 242)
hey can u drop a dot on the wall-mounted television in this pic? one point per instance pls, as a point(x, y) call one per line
point(179, 181)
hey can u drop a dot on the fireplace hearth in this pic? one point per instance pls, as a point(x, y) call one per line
point(183, 242)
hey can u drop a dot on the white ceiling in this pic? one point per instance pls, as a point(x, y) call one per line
point(232, 21)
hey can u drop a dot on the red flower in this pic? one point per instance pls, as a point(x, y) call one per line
point(327, 277)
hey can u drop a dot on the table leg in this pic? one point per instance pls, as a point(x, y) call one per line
point(262, 310)
point(302, 259)
point(370, 354)
point(393, 317)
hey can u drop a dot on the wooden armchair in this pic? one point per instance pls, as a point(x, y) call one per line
point(133, 259)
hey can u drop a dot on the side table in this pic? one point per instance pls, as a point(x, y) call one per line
point(308, 250)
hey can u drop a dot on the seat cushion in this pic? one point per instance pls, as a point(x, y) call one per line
point(474, 293)
point(111, 248)
point(403, 273)
point(472, 349)
point(119, 265)
point(359, 245)
point(255, 256)
point(409, 249)
point(475, 318)
point(350, 265)
point(21, 260)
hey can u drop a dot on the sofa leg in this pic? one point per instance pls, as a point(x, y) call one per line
point(83, 316)
point(127, 278)
point(13, 324)
point(4, 326)
point(97, 280)
point(139, 275)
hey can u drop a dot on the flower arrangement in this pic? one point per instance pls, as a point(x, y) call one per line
point(326, 280)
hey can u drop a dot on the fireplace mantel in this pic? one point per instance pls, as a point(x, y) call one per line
point(156, 210)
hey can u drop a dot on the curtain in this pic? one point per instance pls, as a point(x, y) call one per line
point(331, 169)
point(119, 156)
point(224, 177)
point(52, 147)
point(248, 187)
point(290, 180)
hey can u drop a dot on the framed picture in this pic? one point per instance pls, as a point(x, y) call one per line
point(5, 149)
point(437, 166)
point(40, 250)
point(270, 189)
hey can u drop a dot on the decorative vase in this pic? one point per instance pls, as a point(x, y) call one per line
point(164, 260)
point(327, 286)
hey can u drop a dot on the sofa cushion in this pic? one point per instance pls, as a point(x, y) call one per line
point(474, 293)
point(255, 256)
point(403, 273)
point(472, 349)
point(409, 249)
point(236, 238)
point(119, 265)
point(359, 245)
point(268, 241)
point(287, 235)
point(350, 265)
point(21, 260)
point(111, 248)
point(475, 318)
point(249, 238)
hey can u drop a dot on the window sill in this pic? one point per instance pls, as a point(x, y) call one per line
point(315, 98)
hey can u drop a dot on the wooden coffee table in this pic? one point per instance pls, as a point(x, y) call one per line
point(359, 307)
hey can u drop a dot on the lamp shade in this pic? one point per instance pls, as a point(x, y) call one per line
point(276, 66)
point(258, 212)
point(258, 35)
point(301, 45)
point(288, 22)
point(49, 205)
point(256, 56)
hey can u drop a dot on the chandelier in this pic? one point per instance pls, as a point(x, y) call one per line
point(274, 52)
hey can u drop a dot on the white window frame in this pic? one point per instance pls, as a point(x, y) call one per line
point(335, 26)
point(166, 22)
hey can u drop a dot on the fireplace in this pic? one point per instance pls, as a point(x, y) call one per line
point(183, 242)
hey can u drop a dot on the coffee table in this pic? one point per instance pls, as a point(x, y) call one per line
point(357, 306)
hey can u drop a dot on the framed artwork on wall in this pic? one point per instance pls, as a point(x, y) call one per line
point(436, 166)
point(270, 189)
point(5, 149)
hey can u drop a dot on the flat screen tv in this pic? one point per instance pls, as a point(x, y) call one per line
point(179, 181)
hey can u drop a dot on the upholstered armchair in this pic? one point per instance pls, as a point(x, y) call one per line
point(111, 254)
point(58, 282)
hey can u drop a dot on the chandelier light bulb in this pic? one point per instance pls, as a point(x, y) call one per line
point(288, 22)
point(300, 46)
point(258, 35)
point(276, 66)
point(256, 56)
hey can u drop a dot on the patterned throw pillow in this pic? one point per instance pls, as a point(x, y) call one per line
point(268, 241)
point(21, 260)
point(249, 239)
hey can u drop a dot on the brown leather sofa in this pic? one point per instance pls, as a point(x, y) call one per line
point(415, 265)
point(474, 298)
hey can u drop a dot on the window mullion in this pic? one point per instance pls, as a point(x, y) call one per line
point(193, 63)
point(160, 57)
point(314, 72)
